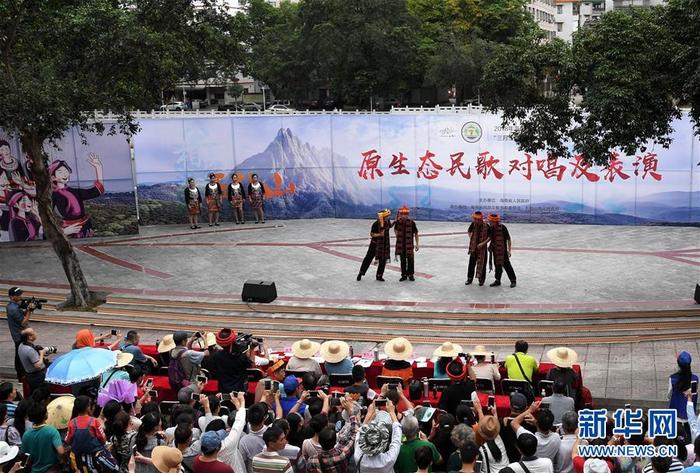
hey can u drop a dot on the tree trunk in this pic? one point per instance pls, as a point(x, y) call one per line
point(53, 231)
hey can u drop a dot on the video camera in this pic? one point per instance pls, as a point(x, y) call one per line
point(50, 350)
point(244, 341)
point(25, 302)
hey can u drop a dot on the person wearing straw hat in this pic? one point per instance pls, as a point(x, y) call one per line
point(493, 451)
point(500, 250)
point(398, 351)
point(405, 230)
point(484, 369)
point(118, 371)
point(302, 351)
point(8, 454)
point(445, 353)
point(166, 459)
point(335, 356)
point(379, 245)
point(564, 358)
point(478, 232)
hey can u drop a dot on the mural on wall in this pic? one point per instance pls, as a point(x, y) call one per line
point(92, 188)
point(443, 166)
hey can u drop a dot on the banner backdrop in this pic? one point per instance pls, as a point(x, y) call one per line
point(442, 166)
point(92, 182)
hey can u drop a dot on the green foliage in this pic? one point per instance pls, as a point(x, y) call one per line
point(112, 219)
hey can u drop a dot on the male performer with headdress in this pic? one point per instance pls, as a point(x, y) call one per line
point(478, 238)
point(379, 245)
point(405, 230)
point(500, 250)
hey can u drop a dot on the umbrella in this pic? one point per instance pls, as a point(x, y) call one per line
point(80, 365)
point(60, 410)
point(119, 390)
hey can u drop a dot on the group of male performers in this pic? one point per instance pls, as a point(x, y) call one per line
point(488, 243)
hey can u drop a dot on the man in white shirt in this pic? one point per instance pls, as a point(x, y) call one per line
point(569, 424)
point(376, 434)
point(229, 453)
point(547, 442)
point(529, 462)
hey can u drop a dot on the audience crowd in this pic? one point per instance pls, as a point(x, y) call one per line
point(297, 420)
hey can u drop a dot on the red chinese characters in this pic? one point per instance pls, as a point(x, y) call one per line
point(428, 168)
point(397, 162)
point(581, 169)
point(550, 168)
point(614, 169)
point(524, 168)
point(486, 164)
point(650, 163)
point(370, 165)
point(457, 166)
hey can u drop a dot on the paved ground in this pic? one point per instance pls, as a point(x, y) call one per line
point(620, 372)
point(559, 267)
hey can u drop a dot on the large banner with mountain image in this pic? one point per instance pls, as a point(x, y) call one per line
point(443, 166)
point(92, 187)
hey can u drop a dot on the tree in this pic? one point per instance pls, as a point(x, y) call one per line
point(63, 59)
point(624, 69)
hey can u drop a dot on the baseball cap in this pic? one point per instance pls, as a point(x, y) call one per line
point(211, 441)
point(684, 359)
point(15, 291)
point(291, 383)
point(518, 401)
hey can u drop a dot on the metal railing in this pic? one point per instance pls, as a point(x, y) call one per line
point(165, 114)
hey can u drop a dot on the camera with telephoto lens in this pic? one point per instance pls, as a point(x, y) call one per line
point(247, 340)
point(50, 350)
point(38, 303)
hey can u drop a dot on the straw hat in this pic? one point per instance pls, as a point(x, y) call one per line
point(448, 349)
point(59, 411)
point(166, 344)
point(489, 427)
point(166, 459)
point(334, 351)
point(563, 357)
point(398, 349)
point(7, 453)
point(305, 348)
point(480, 350)
point(208, 340)
point(123, 359)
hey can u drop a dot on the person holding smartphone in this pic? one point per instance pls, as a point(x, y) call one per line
point(541, 449)
point(378, 442)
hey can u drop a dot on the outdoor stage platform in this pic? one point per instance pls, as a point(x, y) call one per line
point(576, 284)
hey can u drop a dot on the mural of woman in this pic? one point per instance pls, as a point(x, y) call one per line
point(213, 195)
point(10, 167)
point(193, 200)
point(256, 194)
point(236, 195)
point(68, 202)
point(25, 223)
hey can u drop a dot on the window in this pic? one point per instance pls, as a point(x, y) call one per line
point(560, 27)
point(576, 7)
point(560, 9)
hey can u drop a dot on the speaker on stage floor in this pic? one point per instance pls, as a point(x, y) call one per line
point(259, 291)
point(697, 293)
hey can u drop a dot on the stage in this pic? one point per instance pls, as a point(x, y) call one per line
point(615, 293)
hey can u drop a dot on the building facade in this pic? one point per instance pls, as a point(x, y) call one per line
point(543, 13)
point(573, 14)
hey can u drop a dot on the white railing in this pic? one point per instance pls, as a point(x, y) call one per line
point(165, 114)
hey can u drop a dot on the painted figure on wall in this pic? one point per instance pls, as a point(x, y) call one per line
point(25, 223)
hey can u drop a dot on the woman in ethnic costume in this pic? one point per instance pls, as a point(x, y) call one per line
point(69, 201)
point(500, 249)
point(256, 195)
point(213, 194)
point(478, 239)
point(379, 245)
point(25, 223)
point(236, 195)
point(193, 200)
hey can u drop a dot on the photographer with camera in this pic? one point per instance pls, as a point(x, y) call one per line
point(237, 354)
point(18, 314)
point(32, 358)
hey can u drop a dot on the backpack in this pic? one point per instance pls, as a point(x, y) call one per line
point(176, 372)
point(88, 454)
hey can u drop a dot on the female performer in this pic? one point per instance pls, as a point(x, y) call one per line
point(213, 194)
point(68, 201)
point(193, 200)
point(236, 195)
point(256, 194)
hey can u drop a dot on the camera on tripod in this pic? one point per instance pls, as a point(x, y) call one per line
point(27, 301)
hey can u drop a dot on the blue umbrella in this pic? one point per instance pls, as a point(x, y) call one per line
point(80, 365)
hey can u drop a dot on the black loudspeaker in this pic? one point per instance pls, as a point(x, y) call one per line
point(259, 291)
point(697, 293)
